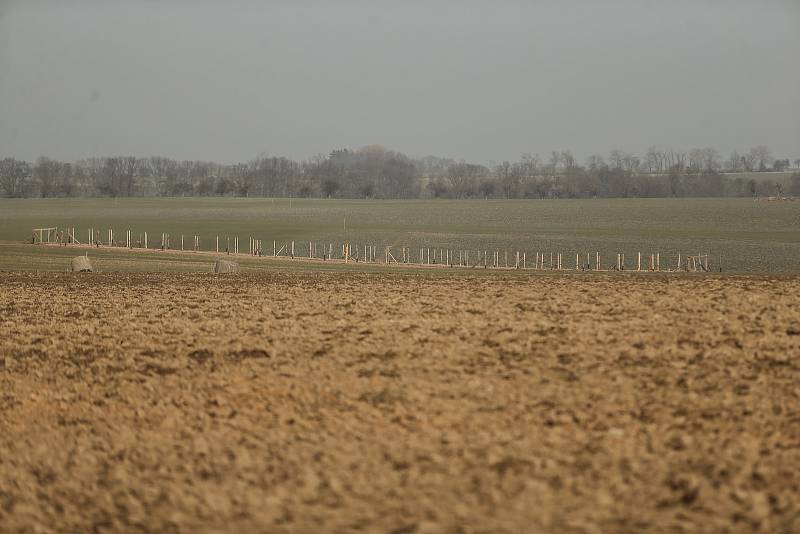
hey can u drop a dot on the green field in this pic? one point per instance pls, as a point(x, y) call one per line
point(745, 235)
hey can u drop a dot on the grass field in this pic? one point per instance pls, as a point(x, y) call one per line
point(746, 235)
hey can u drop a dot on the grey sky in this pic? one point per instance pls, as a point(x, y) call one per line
point(480, 81)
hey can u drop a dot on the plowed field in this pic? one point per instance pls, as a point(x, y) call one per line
point(396, 403)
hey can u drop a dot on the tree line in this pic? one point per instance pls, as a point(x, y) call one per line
point(377, 172)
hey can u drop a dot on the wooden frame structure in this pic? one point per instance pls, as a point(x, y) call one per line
point(367, 253)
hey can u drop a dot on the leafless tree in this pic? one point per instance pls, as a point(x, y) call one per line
point(567, 160)
point(734, 163)
point(46, 173)
point(595, 162)
point(616, 159)
point(13, 174)
point(759, 158)
point(630, 163)
point(652, 159)
point(710, 160)
point(555, 159)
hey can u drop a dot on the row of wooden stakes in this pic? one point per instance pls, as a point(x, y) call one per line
point(347, 253)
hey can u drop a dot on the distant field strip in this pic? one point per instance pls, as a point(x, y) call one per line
point(743, 234)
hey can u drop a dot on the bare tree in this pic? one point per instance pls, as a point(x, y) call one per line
point(128, 166)
point(760, 157)
point(710, 160)
point(46, 173)
point(463, 178)
point(555, 159)
point(734, 163)
point(630, 162)
point(530, 164)
point(243, 179)
point(696, 157)
point(595, 162)
point(616, 159)
point(567, 160)
point(652, 158)
point(13, 173)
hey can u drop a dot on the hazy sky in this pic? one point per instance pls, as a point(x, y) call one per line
point(480, 81)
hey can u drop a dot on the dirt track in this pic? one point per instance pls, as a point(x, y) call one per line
point(391, 403)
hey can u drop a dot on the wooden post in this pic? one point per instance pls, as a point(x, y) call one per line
point(577, 261)
point(524, 260)
point(658, 261)
point(639, 263)
point(181, 242)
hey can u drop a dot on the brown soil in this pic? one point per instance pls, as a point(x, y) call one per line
point(394, 403)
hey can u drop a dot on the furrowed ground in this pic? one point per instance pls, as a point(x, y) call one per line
point(285, 402)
